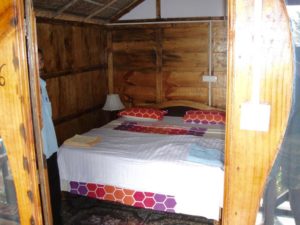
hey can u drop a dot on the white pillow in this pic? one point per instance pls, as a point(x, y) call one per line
point(134, 118)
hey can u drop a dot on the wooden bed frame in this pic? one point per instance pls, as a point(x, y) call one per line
point(178, 108)
point(181, 103)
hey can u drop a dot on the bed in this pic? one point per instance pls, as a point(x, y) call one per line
point(135, 166)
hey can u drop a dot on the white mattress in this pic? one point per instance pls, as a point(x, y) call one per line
point(149, 162)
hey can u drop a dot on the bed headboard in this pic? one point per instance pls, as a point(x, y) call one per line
point(178, 108)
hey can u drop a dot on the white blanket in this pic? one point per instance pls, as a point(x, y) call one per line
point(148, 162)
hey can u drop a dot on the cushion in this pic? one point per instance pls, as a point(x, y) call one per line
point(141, 119)
point(205, 117)
point(144, 113)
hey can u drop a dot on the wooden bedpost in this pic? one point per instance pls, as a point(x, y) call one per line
point(251, 154)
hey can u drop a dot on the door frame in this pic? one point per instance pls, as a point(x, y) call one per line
point(34, 82)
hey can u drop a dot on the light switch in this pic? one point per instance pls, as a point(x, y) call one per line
point(207, 78)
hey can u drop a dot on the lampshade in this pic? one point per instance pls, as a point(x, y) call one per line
point(113, 103)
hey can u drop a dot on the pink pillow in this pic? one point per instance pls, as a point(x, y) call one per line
point(205, 117)
point(146, 113)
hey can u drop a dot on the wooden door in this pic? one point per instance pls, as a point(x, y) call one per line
point(264, 34)
point(16, 123)
point(32, 56)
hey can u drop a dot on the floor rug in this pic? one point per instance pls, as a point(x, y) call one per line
point(79, 210)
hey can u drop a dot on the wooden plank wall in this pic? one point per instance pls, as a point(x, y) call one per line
point(162, 62)
point(75, 72)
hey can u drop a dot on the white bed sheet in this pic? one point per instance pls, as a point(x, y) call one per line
point(151, 163)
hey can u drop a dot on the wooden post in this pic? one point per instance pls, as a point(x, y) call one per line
point(159, 79)
point(158, 9)
point(32, 53)
point(110, 64)
point(250, 154)
point(159, 74)
point(15, 112)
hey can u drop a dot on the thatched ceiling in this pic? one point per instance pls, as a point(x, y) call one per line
point(92, 11)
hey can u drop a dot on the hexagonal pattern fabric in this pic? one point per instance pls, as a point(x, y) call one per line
point(142, 128)
point(140, 199)
point(137, 112)
point(204, 117)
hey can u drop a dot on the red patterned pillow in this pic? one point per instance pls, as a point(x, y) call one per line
point(205, 117)
point(145, 113)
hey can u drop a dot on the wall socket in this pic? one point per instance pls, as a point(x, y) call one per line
point(207, 78)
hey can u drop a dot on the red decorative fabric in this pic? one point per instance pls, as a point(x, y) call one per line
point(157, 129)
point(205, 117)
point(150, 113)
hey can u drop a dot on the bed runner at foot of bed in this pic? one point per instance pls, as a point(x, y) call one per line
point(148, 200)
point(135, 127)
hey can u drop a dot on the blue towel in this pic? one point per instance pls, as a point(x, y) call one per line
point(206, 156)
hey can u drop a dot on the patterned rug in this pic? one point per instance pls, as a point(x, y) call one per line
point(79, 210)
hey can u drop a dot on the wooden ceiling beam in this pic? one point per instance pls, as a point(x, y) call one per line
point(60, 11)
point(101, 9)
point(167, 20)
point(125, 10)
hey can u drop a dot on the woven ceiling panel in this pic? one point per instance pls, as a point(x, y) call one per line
point(122, 3)
point(82, 10)
point(106, 14)
point(52, 5)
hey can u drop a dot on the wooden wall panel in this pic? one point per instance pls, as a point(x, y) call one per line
point(186, 93)
point(189, 44)
point(185, 48)
point(134, 60)
point(219, 62)
point(163, 62)
point(134, 64)
point(80, 124)
point(175, 79)
point(75, 72)
point(67, 47)
point(133, 35)
point(147, 94)
point(146, 79)
point(173, 60)
point(186, 31)
point(133, 46)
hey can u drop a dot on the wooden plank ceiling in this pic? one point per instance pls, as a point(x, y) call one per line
point(89, 11)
